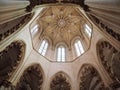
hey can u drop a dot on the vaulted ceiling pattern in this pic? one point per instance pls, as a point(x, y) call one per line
point(61, 23)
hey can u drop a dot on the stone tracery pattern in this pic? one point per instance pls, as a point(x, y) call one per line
point(31, 79)
point(60, 82)
point(110, 59)
point(90, 79)
point(10, 58)
point(10, 27)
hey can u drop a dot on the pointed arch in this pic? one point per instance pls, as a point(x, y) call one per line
point(32, 78)
point(109, 57)
point(10, 58)
point(90, 78)
point(60, 81)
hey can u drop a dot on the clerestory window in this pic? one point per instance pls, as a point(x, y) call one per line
point(78, 47)
point(61, 54)
point(88, 30)
point(43, 47)
point(34, 30)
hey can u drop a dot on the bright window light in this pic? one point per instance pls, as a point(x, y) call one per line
point(61, 54)
point(88, 30)
point(79, 48)
point(34, 30)
point(43, 48)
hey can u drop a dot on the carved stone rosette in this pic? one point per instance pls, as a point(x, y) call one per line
point(10, 58)
point(60, 82)
point(31, 79)
point(90, 79)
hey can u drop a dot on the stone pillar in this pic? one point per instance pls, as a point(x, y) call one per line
point(109, 10)
point(11, 9)
point(108, 13)
point(104, 4)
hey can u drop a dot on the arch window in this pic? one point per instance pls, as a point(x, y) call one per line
point(88, 30)
point(43, 47)
point(61, 54)
point(78, 47)
point(34, 30)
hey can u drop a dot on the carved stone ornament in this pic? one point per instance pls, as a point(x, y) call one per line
point(60, 82)
point(31, 79)
point(105, 28)
point(6, 85)
point(33, 3)
point(110, 59)
point(10, 58)
point(10, 27)
point(90, 79)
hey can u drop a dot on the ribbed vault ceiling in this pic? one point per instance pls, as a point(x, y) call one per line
point(61, 24)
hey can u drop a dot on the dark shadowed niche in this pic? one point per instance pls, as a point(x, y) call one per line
point(32, 78)
point(10, 58)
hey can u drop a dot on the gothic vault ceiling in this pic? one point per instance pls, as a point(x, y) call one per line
point(61, 23)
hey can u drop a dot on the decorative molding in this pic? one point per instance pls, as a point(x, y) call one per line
point(105, 28)
point(90, 79)
point(19, 22)
point(10, 58)
point(33, 3)
point(60, 82)
point(32, 79)
point(110, 59)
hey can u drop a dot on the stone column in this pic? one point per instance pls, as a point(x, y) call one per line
point(108, 13)
point(11, 9)
point(104, 4)
point(109, 10)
